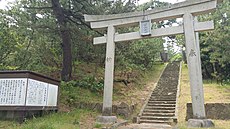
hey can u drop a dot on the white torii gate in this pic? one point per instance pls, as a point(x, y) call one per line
point(186, 10)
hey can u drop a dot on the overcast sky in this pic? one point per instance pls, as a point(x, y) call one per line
point(3, 3)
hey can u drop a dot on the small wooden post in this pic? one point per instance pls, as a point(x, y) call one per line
point(196, 83)
point(109, 70)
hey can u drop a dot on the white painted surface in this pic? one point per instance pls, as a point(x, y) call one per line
point(109, 69)
point(196, 83)
point(27, 92)
point(145, 27)
point(37, 93)
point(13, 91)
point(52, 95)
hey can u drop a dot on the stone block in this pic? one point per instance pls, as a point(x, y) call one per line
point(124, 110)
point(200, 123)
point(217, 111)
point(120, 109)
point(106, 119)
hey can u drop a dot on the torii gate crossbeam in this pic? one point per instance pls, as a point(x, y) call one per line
point(186, 10)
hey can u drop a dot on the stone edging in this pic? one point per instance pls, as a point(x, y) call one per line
point(178, 93)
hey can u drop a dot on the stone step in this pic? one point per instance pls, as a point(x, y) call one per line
point(146, 126)
point(169, 89)
point(171, 95)
point(172, 87)
point(167, 84)
point(155, 121)
point(156, 118)
point(161, 105)
point(162, 102)
point(162, 99)
point(158, 111)
point(158, 114)
point(163, 93)
point(166, 98)
point(166, 81)
point(156, 95)
point(159, 108)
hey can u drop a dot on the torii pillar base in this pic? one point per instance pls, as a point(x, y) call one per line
point(200, 123)
point(106, 119)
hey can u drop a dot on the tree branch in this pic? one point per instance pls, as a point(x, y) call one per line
point(80, 18)
point(39, 8)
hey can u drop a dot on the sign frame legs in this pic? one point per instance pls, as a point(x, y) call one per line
point(195, 75)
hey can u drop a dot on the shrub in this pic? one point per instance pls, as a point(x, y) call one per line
point(89, 82)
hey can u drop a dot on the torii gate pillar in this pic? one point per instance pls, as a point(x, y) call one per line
point(196, 83)
point(109, 69)
point(108, 83)
point(195, 73)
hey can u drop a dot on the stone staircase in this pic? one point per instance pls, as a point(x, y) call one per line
point(162, 104)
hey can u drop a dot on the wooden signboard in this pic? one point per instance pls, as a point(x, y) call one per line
point(27, 91)
point(145, 28)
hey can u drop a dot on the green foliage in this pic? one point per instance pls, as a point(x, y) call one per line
point(140, 54)
point(88, 83)
point(97, 125)
point(215, 45)
point(8, 42)
point(30, 39)
point(177, 57)
point(152, 4)
point(29, 42)
point(42, 126)
point(81, 91)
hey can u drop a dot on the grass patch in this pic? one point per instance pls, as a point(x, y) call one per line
point(76, 119)
point(71, 94)
point(213, 93)
point(7, 124)
point(97, 125)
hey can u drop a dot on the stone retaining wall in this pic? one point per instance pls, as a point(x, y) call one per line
point(20, 116)
point(122, 109)
point(217, 111)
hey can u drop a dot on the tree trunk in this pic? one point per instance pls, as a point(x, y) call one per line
point(66, 41)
